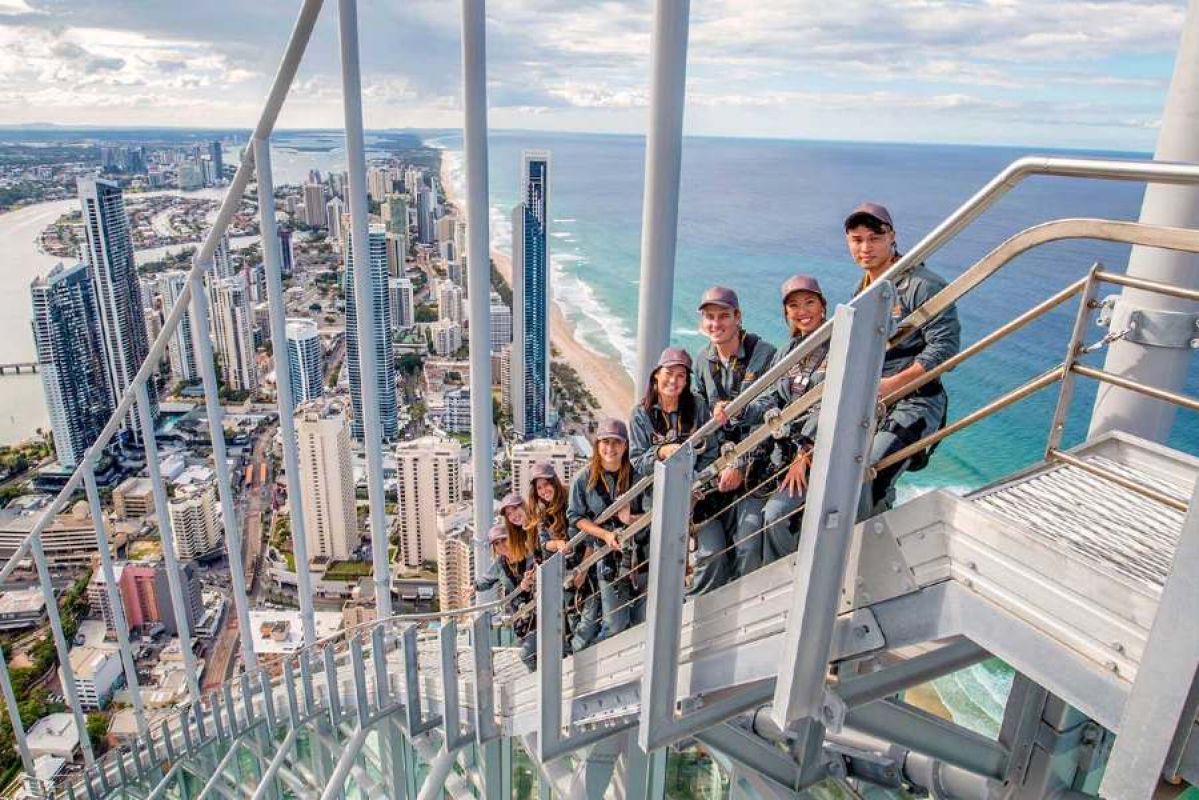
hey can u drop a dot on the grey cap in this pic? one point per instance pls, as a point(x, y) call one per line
point(875, 211)
point(543, 469)
point(801, 283)
point(496, 534)
point(612, 428)
point(674, 357)
point(720, 296)
point(511, 500)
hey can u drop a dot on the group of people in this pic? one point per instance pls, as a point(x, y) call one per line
point(750, 515)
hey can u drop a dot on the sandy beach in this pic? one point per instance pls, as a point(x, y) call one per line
point(604, 376)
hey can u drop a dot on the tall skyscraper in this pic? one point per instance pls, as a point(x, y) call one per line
point(530, 298)
point(326, 481)
point(334, 210)
point(403, 309)
point(304, 360)
point(455, 557)
point(501, 323)
point(379, 338)
point(222, 265)
point(394, 211)
point(378, 183)
point(114, 279)
point(425, 232)
point(449, 302)
point(287, 252)
point(181, 346)
point(233, 326)
point(447, 337)
point(314, 204)
point(218, 162)
point(70, 356)
point(428, 478)
point(194, 520)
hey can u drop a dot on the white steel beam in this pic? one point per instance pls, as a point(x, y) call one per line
point(220, 461)
point(167, 536)
point(285, 403)
point(364, 307)
point(120, 624)
point(478, 262)
point(846, 425)
point(663, 166)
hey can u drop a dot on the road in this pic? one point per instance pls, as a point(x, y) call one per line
point(223, 657)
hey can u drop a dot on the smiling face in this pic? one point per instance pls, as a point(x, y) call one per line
point(545, 490)
point(611, 453)
point(871, 250)
point(720, 324)
point(671, 382)
point(515, 515)
point(804, 312)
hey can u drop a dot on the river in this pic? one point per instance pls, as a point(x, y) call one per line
point(22, 403)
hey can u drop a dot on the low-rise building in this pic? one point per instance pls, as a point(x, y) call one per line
point(69, 540)
point(134, 497)
point(23, 608)
point(54, 735)
point(96, 675)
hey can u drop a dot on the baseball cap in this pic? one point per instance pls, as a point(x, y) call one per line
point(543, 469)
point(612, 428)
point(800, 283)
point(496, 533)
point(875, 211)
point(674, 357)
point(719, 296)
point(511, 500)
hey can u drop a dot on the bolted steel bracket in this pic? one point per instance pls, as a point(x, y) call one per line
point(1150, 326)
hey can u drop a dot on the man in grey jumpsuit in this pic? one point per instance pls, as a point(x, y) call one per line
point(870, 234)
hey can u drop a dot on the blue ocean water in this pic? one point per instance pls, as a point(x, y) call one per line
point(753, 212)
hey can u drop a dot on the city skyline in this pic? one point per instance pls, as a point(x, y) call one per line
point(1026, 71)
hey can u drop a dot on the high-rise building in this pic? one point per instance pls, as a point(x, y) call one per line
point(428, 478)
point(378, 183)
point(457, 410)
point(456, 272)
point(181, 346)
point(287, 252)
point(394, 211)
point(379, 337)
point(222, 260)
point(444, 228)
point(425, 233)
point(194, 521)
point(558, 452)
point(114, 279)
point(449, 302)
point(455, 557)
point(70, 356)
point(232, 324)
point(145, 595)
point(190, 175)
point(335, 209)
point(403, 307)
point(326, 481)
point(305, 363)
point(447, 337)
point(530, 298)
point(506, 377)
point(501, 323)
point(396, 253)
point(218, 162)
point(314, 204)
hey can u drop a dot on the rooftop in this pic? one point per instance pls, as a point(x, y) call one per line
point(54, 732)
point(22, 601)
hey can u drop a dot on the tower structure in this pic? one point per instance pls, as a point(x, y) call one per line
point(379, 338)
point(233, 326)
point(428, 478)
point(181, 348)
point(304, 360)
point(327, 480)
point(530, 298)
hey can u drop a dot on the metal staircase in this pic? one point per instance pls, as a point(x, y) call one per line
point(1080, 572)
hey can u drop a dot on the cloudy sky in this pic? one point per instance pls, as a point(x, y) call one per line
point(1039, 72)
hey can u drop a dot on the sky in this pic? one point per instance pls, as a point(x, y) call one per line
point(1038, 72)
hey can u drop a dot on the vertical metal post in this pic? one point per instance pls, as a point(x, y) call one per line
point(1066, 391)
point(364, 307)
point(14, 717)
point(284, 401)
point(1178, 206)
point(846, 426)
point(220, 460)
point(478, 262)
point(1156, 712)
point(167, 535)
point(664, 593)
point(549, 657)
point(663, 165)
point(60, 641)
point(120, 624)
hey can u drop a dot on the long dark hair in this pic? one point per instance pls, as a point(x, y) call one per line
point(553, 514)
point(522, 542)
point(624, 474)
point(687, 405)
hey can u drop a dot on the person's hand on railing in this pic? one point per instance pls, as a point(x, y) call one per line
point(557, 545)
point(730, 479)
point(609, 538)
point(665, 451)
point(529, 579)
point(718, 412)
point(796, 479)
point(625, 515)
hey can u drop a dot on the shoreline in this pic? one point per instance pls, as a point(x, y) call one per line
point(603, 375)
